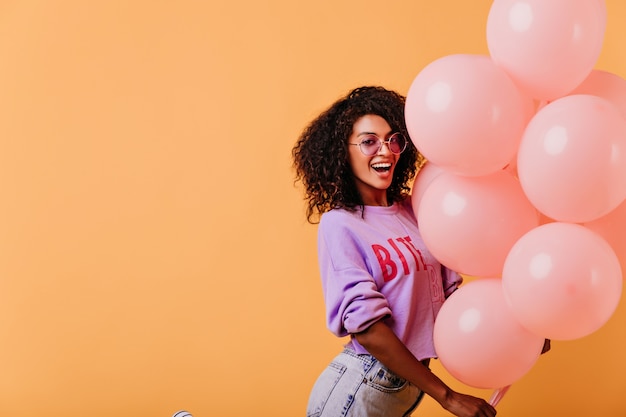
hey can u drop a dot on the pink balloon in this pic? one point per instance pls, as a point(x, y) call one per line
point(571, 161)
point(479, 341)
point(547, 47)
point(562, 281)
point(612, 227)
point(424, 177)
point(466, 115)
point(606, 85)
point(470, 223)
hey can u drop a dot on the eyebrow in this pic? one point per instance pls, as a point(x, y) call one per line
point(373, 133)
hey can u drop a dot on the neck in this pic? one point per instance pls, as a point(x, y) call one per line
point(374, 197)
point(378, 203)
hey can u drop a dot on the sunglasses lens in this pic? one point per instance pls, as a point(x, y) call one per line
point(397, 143)
point(370, 145)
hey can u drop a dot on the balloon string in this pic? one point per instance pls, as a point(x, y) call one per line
point(497, 395)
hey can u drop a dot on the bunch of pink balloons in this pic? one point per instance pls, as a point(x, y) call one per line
point(525, 186)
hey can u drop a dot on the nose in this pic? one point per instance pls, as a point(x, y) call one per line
point(384, 148)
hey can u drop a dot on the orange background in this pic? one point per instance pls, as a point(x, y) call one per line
point(153, 250)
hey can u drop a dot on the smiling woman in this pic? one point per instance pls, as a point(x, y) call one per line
point(381, 285)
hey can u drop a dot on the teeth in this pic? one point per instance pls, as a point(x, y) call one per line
point(381, 165)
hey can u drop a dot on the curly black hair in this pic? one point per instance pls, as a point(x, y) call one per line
point(320, 156)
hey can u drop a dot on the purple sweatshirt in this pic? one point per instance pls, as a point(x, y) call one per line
point(377, 267)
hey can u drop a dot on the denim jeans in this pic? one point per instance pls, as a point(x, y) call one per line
point(360, 386)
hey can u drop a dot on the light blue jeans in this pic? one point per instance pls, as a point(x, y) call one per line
point(360, 386)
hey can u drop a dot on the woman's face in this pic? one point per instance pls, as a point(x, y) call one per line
point(373, 174)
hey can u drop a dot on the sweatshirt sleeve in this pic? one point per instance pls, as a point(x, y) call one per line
point(353, 302)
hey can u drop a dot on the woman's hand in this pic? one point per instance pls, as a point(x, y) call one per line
point(462, 405)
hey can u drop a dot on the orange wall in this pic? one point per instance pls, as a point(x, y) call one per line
point(153, 249)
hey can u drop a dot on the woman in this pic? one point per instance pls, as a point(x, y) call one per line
point(381, 285)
